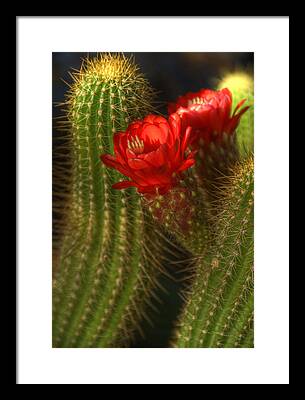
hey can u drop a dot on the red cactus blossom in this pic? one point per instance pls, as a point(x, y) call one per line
point(152, 153)
point(208, 112)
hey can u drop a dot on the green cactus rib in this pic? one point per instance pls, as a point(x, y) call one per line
point(241, 332)
point(241, 85)
point(214, 161)
point(182, 212)
point(100, 272)
point(219, 305)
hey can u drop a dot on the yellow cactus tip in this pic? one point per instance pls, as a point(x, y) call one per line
point(110, 67)
point(237, 80)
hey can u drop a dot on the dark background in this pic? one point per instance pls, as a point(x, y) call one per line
point(171, 75)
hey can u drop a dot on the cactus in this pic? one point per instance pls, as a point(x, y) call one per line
point(219, 305)
point(103, 269)
point(215, 161)
point(110, 246)
point(241, 85)
point(182, 212)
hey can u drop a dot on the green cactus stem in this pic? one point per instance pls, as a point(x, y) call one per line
point(214, 160)
point(182, 213)
point(241, 84)
point(103, 270)
point(219, 304)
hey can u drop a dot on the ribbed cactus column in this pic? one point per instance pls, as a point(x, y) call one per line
point(214, 161)
point(99, 274)
point(182, 212)
point(219, 304)
point(241, 85)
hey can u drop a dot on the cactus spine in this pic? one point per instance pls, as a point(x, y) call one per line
point(241, 85)
point(182, 213)
point(99, 274)
point(219, 305)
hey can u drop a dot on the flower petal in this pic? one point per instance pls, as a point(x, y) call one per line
point(156, 158)
point(226, 92)
point(187, 164)
point(124, 185)
point(120, 145)
point(137, 163)
point(112, 162)
point(171, 108)
point(186, 139)
point(239, 105)
point(241, 112)
point(109, 160)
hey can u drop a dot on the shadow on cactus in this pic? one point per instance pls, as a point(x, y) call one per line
point(136, 194)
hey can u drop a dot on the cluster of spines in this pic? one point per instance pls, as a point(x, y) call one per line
point(215, 157)
point(181, 212)
point(98, 276)
point(219, 304)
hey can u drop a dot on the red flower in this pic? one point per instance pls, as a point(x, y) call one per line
point(152, 153)
point(208, 112)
